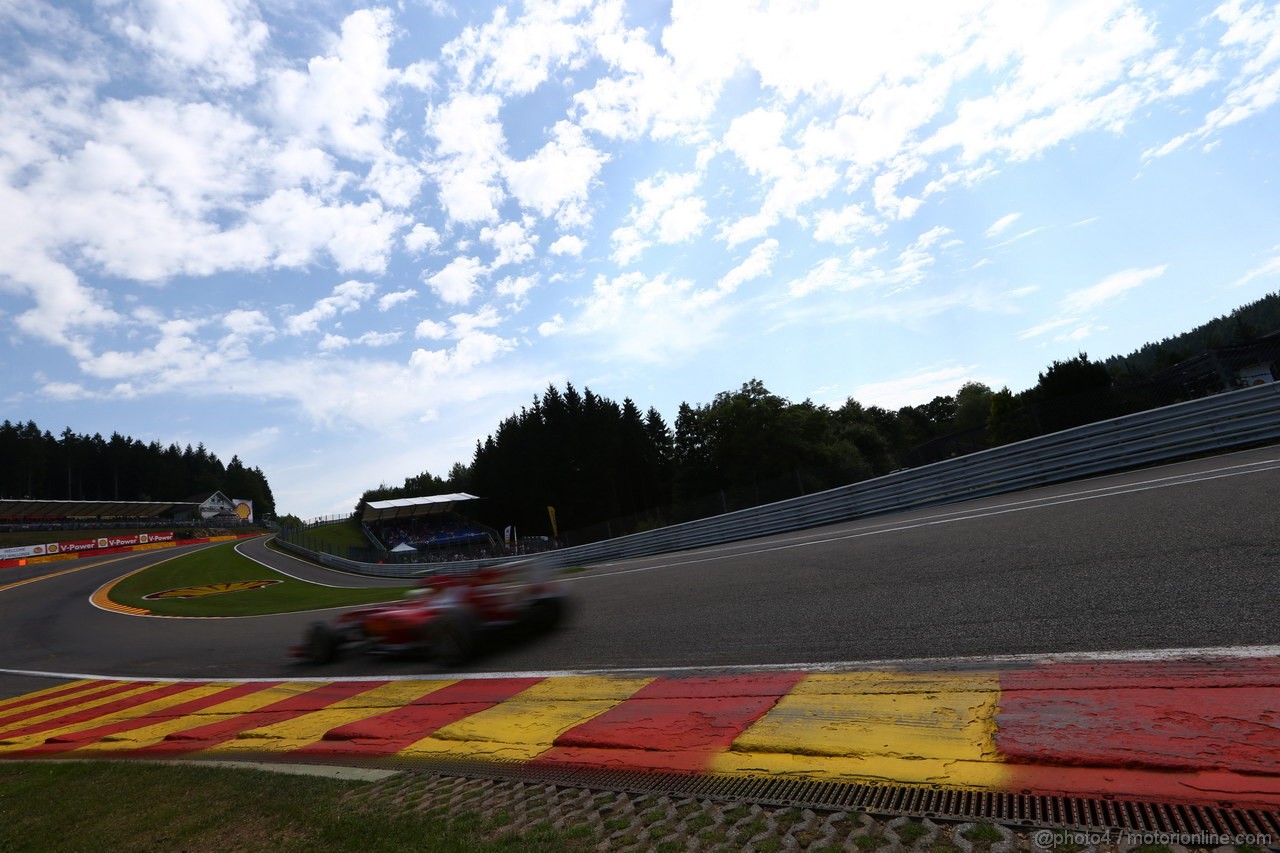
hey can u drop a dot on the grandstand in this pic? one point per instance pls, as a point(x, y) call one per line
point(429, 526)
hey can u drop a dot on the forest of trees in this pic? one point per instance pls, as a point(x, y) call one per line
point(610, 469)
point(39, 466)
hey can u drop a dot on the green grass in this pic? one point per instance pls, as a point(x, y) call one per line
point(51, 807)
point(911, 832)
point(336, 538)
point(983, 833)
point(222, 564)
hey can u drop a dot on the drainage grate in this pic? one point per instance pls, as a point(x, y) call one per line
point(1025, 809)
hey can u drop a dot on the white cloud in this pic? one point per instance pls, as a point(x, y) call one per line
point(669, 211)
point(177, 351)
point(243, 322)
point(432, 330)
point(242, 327)
point(469, 156)
point(421, 238)
point(914, 389)
point(858, 268)
point(567, 245)
point(340, 98)
point(1253, 32)
point(514, 57)
point(378, 339)
point(516, 288)
point(638, 318)
point(1111, 287)
point(846, 225)
point(1267, 268)
point(759, 262)
point(1048, 326)
point(331, 343)
point(347, 297)
point(390, 300)
point(218, 40)
point(512, 242)
point(458, 282)
point(557, 179)
point(1002, 224)
point(554, 326)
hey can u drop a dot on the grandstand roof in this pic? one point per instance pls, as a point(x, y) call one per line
point(410, 507)
point(29, 510)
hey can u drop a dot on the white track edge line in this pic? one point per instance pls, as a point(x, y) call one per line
point(1140, 655)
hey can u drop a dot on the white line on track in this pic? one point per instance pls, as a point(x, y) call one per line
point(953, 517)
point(967, 662)
point(282, 571)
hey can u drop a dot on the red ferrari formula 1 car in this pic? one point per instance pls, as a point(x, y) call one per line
point(444, 617)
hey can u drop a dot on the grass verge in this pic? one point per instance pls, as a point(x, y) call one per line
point(49, 807)
point(221, 564)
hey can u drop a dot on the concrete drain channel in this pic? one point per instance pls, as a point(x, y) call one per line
point(1025, 810)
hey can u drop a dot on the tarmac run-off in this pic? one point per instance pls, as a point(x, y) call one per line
point(1198, 729)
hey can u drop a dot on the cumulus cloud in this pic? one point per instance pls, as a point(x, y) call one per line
point(669, 211)
point(567, 245)
point(557, 179)
point(458, 282)
point(469, 154)
point(421, 238)
point(219, 40)
point(390, 300)
point(512, 243)
point(346, 297)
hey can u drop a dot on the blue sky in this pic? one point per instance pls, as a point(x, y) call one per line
point(344, 241)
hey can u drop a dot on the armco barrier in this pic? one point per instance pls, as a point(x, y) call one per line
point(1220, 422)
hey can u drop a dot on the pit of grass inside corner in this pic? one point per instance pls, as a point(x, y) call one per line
point(221, 564)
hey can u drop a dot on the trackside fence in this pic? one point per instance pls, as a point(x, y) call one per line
point(1221, 422)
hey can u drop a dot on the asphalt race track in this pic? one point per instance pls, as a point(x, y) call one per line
point(1179, 556)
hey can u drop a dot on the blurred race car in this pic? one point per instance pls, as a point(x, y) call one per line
point(444, 618)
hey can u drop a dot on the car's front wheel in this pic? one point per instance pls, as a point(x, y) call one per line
point(322, 643)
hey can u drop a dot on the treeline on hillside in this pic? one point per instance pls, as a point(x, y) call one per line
point(37, 466)
point(1243, 324)
point(599, 462)
point(609, 470)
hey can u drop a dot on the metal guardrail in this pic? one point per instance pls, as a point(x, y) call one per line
point(1220, 422)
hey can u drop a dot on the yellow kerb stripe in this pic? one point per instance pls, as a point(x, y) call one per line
point(96, 702)
point(878, 726)
point(528, 723)
point(309, 728)
point(37, 738)
point(153, 734)
point(42, 697)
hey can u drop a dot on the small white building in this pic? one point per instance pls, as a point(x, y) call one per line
point(214, 505)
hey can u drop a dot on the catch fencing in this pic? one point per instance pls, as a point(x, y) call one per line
point(1224, 421)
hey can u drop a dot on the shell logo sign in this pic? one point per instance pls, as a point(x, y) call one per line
point(243, 509)
point(208, 589)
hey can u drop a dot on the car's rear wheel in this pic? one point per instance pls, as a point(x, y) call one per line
point(322, 643)
point(545, 614)
point(450, 640)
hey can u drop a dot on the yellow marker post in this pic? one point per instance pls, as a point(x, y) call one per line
point(527, 724)
point(878, 726)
